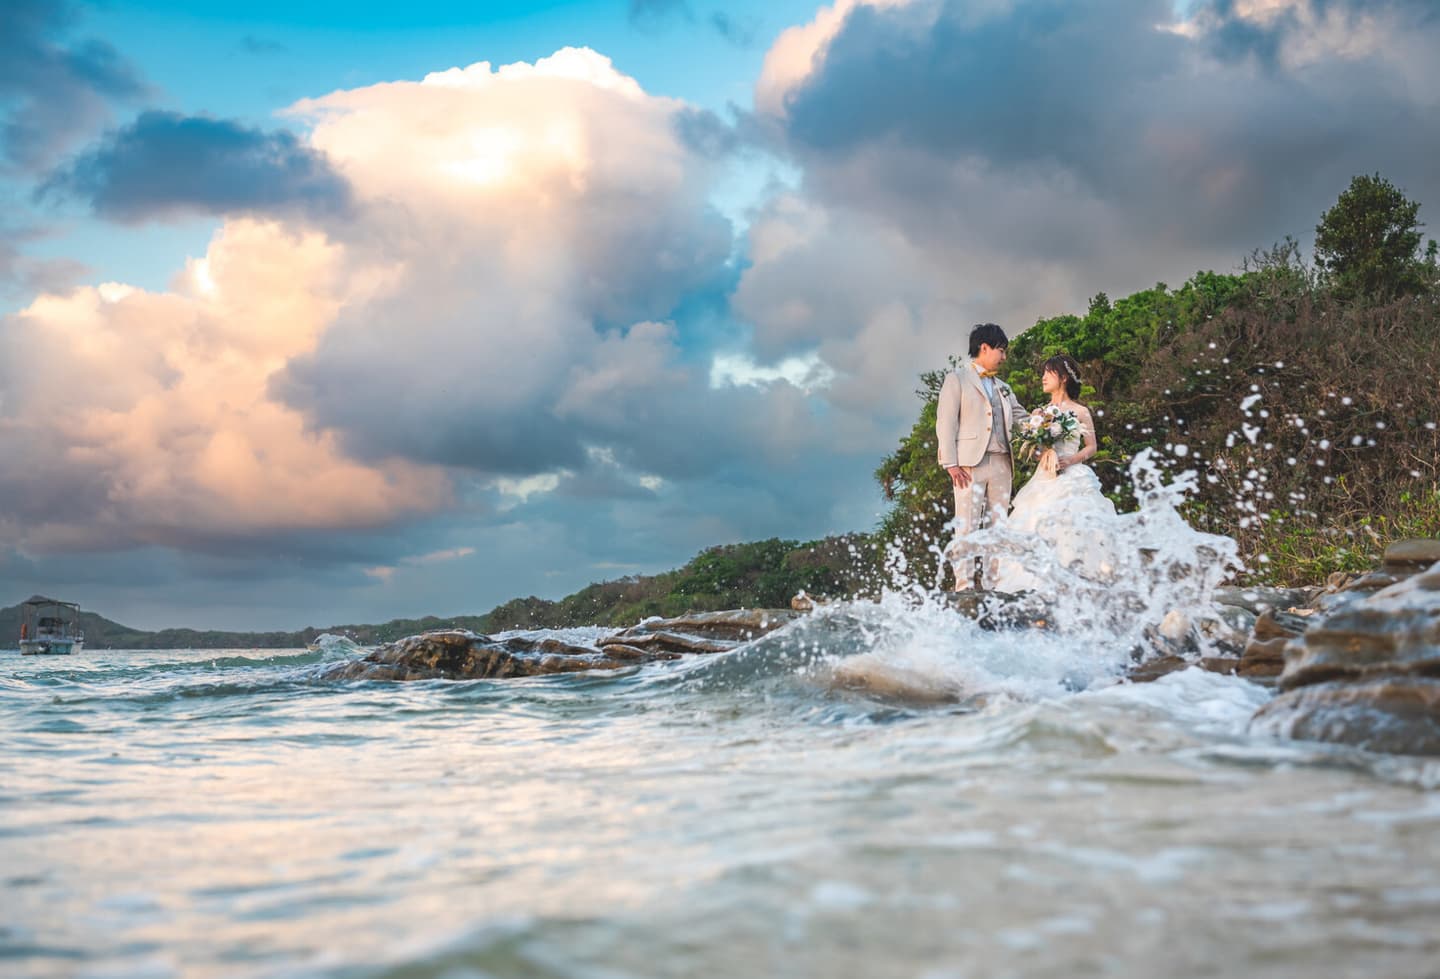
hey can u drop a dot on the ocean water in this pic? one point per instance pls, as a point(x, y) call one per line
point(742, 814)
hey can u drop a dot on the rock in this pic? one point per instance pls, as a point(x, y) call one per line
point(1368, 584)
point(1229, 633)
point(1395, 631)
point(803, 602)
point(1228, 665)
point(1175, 627)
point(1263, 659)
point(1275, 624)
point(634, 654)
point(996, 610)
point(739, 625)
point(1364, 670)
point(461, 655)
point(1157, 666)
point(675, 642)
point(1257, 599)
point(1400, 715)
point(1337, 581)
point(872, 676)
point(1408, 557)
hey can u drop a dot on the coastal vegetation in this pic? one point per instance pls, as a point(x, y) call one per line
point(1304, 395)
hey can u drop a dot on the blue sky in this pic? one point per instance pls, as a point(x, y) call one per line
point(248, 61)
point(341, 346)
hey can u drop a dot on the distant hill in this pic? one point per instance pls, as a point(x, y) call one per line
point(763, 574)
point(102, 633)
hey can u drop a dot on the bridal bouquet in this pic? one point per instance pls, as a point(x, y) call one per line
point(1046, 428)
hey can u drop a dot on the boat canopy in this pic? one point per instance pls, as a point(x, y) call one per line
point(42, 600)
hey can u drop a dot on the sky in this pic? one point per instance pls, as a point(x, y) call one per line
point(325, 313)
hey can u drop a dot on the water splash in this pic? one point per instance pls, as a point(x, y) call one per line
point(1085, 630)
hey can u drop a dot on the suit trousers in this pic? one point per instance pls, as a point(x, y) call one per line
point(983, 503)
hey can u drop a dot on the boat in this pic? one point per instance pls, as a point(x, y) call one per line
point(49, 627)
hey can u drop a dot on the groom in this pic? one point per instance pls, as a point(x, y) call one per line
point(972, 423)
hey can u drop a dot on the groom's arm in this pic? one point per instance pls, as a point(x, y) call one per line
point(1017, 411)
point(947, 420)
point(947, 429)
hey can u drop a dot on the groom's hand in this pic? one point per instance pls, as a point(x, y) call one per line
point(959, 475)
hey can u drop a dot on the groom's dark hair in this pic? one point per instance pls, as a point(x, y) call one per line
point(987, 333)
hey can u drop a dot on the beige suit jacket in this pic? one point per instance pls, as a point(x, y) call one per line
point(963, 419)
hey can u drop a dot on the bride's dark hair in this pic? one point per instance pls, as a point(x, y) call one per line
point(1068, 370)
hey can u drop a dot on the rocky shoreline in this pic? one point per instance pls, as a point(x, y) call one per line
point(1355, 662)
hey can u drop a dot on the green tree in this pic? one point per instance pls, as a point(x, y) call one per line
point(1367, 246)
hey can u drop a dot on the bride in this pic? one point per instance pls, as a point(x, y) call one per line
point(1063, 504)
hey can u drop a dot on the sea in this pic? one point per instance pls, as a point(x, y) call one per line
point(880, 788)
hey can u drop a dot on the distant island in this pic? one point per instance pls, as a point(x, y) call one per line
point(764, 574)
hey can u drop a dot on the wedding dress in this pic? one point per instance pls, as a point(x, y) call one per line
point(1070, 514)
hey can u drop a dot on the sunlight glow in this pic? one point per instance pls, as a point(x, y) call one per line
point(493, 160)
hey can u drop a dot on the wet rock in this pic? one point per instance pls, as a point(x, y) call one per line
point(1395, 714)
point(1228, 665)
point(1229, 633)
point(1409, 557)
point(874, 677)
point(1257, 599)
point(461, 655)
point(735, 626)
point(996, 610)
point(1363, 668)
point(673, 642)
point(1263, 657)
point(1394, 631)
point(1155, 667)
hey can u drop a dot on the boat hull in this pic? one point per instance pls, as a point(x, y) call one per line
point(50, 647)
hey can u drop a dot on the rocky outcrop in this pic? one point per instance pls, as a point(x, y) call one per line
point(1364, 667)
point(460, 655)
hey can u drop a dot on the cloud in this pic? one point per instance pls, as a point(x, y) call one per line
point(53, 92)
point(166, 435)
point(537, 218)
point(166, 164)
point(23, 275)
point(1148, 121)
point(508, 331)
point(1001, 161)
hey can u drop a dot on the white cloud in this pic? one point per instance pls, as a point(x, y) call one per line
point(808, 373)
point(485, 305)
point(522, 489)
